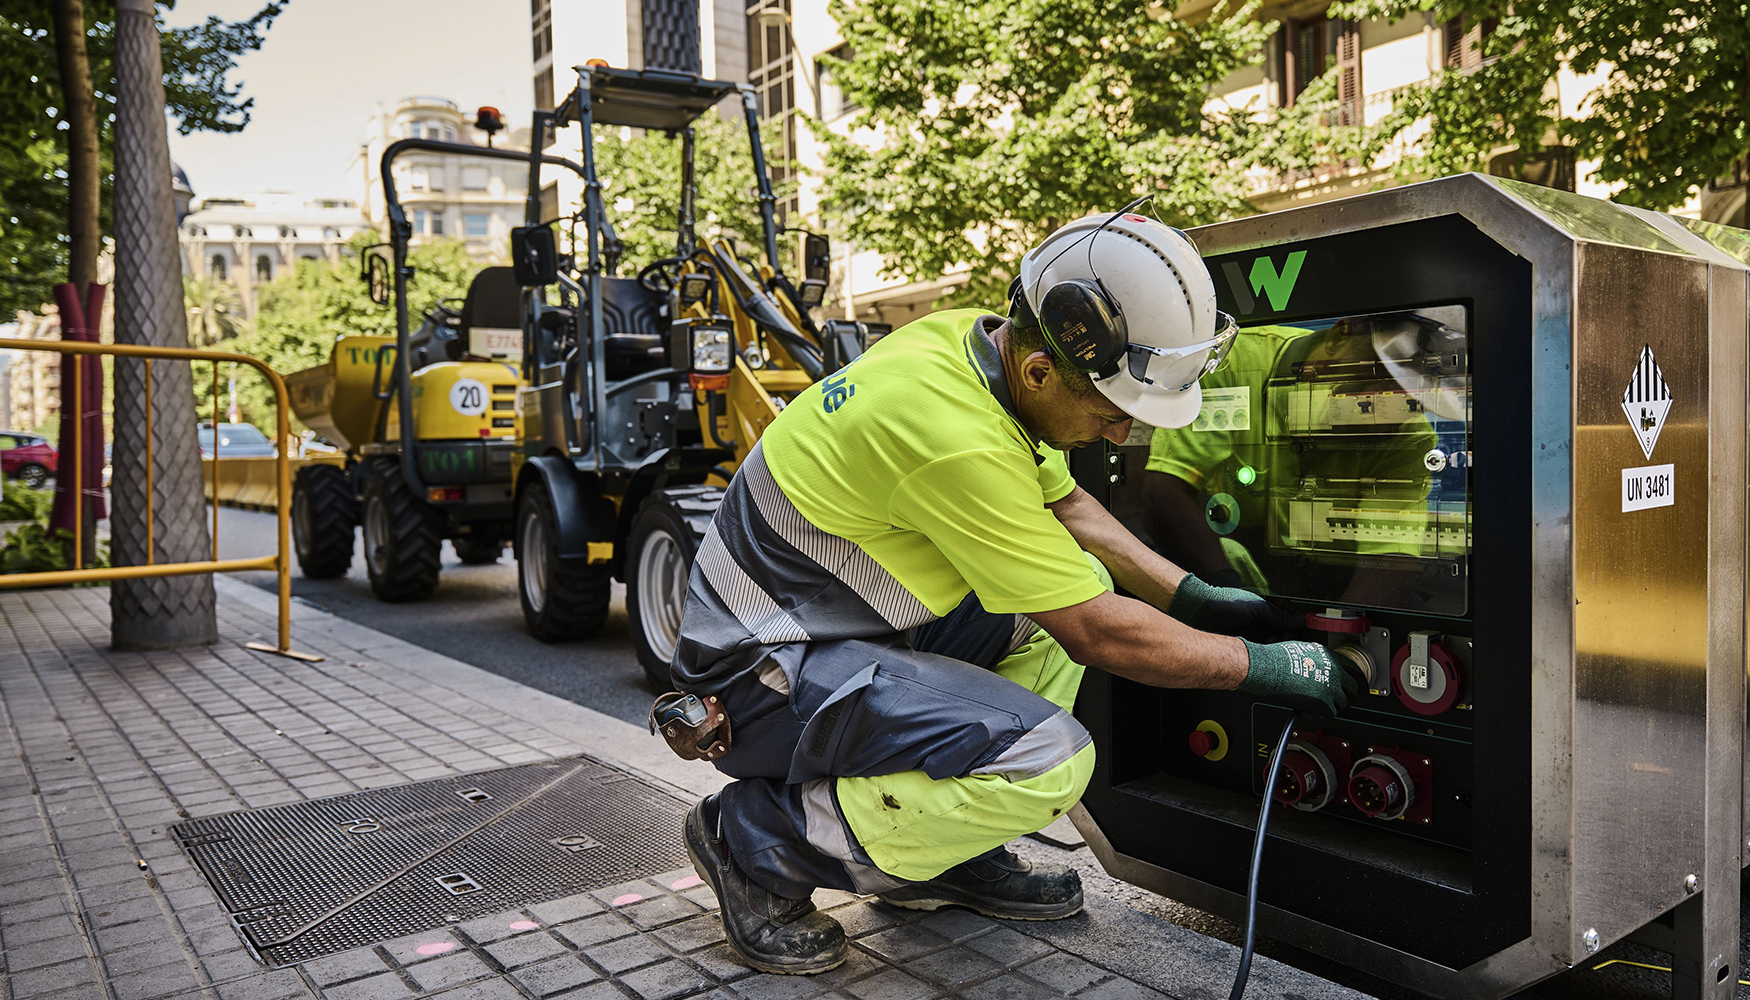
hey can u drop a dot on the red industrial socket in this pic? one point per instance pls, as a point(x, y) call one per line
point(1308, 781)
point(1376, 791)
point(1299, 779)
point(1391, 783)
point(1339, 621)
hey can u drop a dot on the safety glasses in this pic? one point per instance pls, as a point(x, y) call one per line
point(1141, 356)
point(1138, 356)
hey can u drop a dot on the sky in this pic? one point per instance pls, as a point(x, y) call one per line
point(328, 64)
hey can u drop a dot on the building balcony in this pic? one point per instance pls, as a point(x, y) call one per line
point(1338, 173)
point(427, 101)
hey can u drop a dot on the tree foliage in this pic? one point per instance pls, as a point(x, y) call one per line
point(33, 183)
point(215, 312)
point(299, 314)
point(1671, 113)
point(997, 123)
point(641, 186)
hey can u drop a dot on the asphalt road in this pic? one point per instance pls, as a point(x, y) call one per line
point(475, 617)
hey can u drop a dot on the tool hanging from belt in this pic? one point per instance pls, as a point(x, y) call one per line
point(695, 729)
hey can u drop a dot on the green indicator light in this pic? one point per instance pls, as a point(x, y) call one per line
point(1246, 475)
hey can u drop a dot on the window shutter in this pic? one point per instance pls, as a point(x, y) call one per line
point(1349, 105)
point(1290, 33)
point(1308, 63)
point(1464, 43)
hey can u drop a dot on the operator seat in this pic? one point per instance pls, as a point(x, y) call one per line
point(632, 316)
point(494, 302)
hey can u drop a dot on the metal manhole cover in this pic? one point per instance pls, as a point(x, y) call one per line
point(312, 878)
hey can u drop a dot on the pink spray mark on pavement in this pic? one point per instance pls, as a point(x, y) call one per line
point(687, 883)
point(523, 925)
point(630, 897)
point(436, 947)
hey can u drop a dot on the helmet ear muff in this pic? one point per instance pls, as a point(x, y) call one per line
point(1083, 326)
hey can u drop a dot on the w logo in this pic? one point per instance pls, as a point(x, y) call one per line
point(1264, 280)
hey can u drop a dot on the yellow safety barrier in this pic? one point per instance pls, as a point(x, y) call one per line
point(252, 482)
point(281, 480)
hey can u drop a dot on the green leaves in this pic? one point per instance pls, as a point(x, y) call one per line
point(1664, 109)
point(985, 126)
point(214, 310)
point(197, 65)
point(641, 186)
point(32, 548)
point(999, 122)
point(19, 502)
point(33, 185)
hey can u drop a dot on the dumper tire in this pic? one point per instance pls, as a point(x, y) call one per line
point(479, 550)
point(403, 550)
point(562, 599)
point(324, 514)
point(666, 534)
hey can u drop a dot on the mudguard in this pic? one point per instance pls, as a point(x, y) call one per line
point(573, 503)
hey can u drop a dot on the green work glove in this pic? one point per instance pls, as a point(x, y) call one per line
point(1301, 675)
point(1228, 610)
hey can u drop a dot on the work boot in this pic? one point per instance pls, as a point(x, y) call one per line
point(769, 932)
point(998, 884)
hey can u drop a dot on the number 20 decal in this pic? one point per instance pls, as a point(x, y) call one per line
point(468, 397)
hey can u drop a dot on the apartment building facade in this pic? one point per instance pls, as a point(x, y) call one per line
point(32, 378)
point(446, 195)
point(248, 240)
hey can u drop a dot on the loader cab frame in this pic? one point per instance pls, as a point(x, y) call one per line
point(640, 389)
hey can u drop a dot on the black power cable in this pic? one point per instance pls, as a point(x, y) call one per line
point(1245, 970)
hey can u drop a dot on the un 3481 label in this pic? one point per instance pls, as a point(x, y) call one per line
point(1648, 487)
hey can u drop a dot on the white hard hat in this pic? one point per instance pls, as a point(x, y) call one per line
point(1147, 282)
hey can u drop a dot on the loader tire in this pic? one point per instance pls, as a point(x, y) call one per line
point(660, 549)
point(402, 542)
point(479, 550)
point(324, 514)
point(562, 599)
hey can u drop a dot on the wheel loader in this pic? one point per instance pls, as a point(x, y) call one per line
point(638, 395)
point(643, 392)
point(427, 419)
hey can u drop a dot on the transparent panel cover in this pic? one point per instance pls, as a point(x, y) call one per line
point(1333, 459)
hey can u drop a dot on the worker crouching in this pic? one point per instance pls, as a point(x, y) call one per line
point(892, 609)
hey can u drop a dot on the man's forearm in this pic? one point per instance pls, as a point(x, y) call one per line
point(1133, 565)
point(1130, 639)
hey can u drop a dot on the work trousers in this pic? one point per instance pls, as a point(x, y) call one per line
point(869, 763)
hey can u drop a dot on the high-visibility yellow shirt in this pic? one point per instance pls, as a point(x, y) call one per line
point(914, 453)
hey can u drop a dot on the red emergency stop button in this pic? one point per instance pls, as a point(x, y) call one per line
point(1203, 743)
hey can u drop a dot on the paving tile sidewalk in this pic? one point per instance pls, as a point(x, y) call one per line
point(101, 752)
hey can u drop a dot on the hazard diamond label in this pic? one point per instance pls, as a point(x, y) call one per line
point(1646, 401)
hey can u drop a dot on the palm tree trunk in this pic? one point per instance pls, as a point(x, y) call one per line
point(165, 612)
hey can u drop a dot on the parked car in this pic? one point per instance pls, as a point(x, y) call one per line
point(235, 441)
point(28, 458)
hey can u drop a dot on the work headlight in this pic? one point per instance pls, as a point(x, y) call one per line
point(711, 350)
point(694, 287)
point(813, 292)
